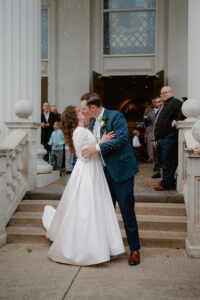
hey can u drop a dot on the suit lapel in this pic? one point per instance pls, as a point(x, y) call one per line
point(91, 124)
point(105, 115)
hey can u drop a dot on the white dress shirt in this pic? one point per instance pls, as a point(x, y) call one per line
point(46, 117)
point(97, 133)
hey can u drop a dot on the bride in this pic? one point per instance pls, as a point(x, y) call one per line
point(84, 228)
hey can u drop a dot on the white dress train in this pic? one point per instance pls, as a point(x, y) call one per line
point(84, 228)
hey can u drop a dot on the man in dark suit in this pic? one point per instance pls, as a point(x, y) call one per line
point(47, 121)
point(165, 129)
point(119, 164)
point(149, 120)
point(55, 112)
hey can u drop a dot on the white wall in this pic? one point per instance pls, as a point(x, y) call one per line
point(177, 46)
point(73, 60)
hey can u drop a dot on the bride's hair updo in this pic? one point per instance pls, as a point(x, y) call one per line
point(69, 122)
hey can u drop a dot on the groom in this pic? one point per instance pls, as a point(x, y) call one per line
point(119, 163)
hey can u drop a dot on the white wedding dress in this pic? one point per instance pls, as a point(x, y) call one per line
point(84, 228)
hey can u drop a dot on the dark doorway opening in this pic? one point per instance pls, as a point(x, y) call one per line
point(130, 95)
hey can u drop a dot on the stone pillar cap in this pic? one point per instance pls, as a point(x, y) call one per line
point(23, 109)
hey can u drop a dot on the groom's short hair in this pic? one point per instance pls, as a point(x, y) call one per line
point(94, 99)
point(85, 96)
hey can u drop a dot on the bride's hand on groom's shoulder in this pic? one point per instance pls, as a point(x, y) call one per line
point(106, 137)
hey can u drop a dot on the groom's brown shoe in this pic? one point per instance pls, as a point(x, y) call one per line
point(134, 258)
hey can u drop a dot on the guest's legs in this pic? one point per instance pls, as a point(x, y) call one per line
point(169, 160)
point(156, 165)
point(48, 148)
point(53, 159)
point(59, 159)
point(68, 160)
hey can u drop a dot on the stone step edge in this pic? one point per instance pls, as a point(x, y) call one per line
point(140, 217)
point(165, 235)
point(138, 204)
point(162, 196)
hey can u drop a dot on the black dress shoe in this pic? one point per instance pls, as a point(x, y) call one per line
point(68, 172)
point(156, 176)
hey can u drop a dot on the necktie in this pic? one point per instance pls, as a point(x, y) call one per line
point(56, 138)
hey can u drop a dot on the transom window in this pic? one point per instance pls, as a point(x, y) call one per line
point(129, 27)
point(44, 33)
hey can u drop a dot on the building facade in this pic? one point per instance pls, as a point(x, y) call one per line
point(122, 49)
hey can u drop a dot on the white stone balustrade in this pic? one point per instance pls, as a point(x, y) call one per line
point(189, 173)
point(13, 182)
point(22, 167)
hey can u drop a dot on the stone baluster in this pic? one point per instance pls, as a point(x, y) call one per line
point(15, 173)
point(11, 186)
point(3, 195)
point(19, 164)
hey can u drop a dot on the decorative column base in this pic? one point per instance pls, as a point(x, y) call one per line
point(192, 250)
point(3, 239)
point(3, 235)
point(45, 175)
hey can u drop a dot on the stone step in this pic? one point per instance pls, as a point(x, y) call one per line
point(164, 209)
point(161, 239)
point(152, 196)
point(36, 205)
point(159, 223)
point(25, 235)
point(145, 222)
point(160, 209)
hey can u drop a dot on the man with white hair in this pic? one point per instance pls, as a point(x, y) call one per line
point(54, 110)
point(165, 129)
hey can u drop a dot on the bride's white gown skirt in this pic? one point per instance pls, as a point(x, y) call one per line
point(84, 228)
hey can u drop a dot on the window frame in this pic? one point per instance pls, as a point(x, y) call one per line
point(129, 10)
point(48, 14)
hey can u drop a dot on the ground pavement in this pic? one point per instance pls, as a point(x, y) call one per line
point(27, 274)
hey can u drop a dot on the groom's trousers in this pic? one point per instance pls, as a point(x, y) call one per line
point(123, 193)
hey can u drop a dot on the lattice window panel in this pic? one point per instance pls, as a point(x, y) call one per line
point(129, 32)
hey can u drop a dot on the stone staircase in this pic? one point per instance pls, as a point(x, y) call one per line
point(160, 224)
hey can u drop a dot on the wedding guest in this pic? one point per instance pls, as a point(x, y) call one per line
point(183, 99)
point(56, 142)
point(149, 120)
point(197, 150)
point(55, 112)
point(165, 129)
point(136, 144)
point(47, 121)
point(69, 158)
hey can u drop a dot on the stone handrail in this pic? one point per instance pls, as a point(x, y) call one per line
point(22, 167)
point(13, 176)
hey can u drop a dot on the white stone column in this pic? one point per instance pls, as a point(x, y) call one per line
point(193, 49)
point(19, 58)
